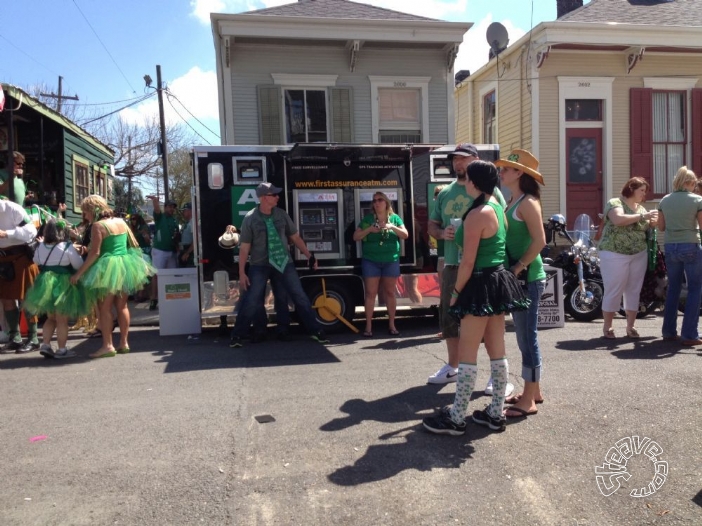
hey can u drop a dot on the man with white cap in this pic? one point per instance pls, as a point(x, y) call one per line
point(451, 204)
point(265, 233)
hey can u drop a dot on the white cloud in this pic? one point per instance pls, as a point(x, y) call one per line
point(203, 8)
point(473, 53)
point(196, 90)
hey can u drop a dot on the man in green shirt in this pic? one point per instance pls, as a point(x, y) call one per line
point(165, 242)
point(451, 203)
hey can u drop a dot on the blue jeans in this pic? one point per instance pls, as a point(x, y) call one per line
point(288, 282)
point(525, 323)
point(251, 307)
point(683, 259)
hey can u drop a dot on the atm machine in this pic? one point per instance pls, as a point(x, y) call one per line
point(363, 205)
point(318, 214)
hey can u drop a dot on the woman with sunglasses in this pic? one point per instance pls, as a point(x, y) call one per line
point(380, 233)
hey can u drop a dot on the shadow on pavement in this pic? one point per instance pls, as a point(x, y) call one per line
point(408, 448)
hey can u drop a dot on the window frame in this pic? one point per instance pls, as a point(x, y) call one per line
point(291, 81)
point(668, 176)
point(325, 91)
point(77, 160)
point(100, 180)
point(485, 91)
point(378, 82)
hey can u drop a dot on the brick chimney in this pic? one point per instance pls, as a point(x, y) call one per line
point(566, 6)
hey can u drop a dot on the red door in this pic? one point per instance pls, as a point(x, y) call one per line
point(583, 173)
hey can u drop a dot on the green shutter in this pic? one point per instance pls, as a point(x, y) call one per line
point(341, 115)
point(270, 122)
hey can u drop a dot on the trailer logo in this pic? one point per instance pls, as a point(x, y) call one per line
point(243, 200)
point(610, 474)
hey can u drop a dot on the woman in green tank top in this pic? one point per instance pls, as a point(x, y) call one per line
point(484, 292)
point(525, 239)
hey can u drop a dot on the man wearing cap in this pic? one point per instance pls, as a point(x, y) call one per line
point(185, 254)
point(265, 233)
point(165, 243)
point(451, 204)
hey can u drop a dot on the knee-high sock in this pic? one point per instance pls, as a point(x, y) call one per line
point(13, 328)
point(500, 374)
point(465, 383)
point(32, 328)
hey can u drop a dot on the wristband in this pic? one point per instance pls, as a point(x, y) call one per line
point(454, 294)
point(521, 263)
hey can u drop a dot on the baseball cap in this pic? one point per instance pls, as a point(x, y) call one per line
point(464, 149)
point(266, 189)
point(187, 206)
point(170, 202)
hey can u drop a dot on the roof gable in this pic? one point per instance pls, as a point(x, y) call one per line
point(686, 13)
point(336, 9)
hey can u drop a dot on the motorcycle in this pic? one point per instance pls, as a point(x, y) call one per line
point(582, 282)
point(583, 287)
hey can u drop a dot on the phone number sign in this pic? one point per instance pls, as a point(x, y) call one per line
point(551, 314)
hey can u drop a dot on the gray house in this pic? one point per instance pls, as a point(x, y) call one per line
point(335, 71)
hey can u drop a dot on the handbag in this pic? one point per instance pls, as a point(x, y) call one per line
point(653, 250)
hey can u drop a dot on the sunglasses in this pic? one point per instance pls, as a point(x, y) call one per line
point(379, 200)
point(272, 195)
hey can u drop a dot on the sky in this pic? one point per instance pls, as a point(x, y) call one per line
point(103, 49)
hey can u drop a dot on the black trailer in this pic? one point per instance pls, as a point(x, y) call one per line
point(327, 189)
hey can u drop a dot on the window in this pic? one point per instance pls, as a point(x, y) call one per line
point(99, 178)
point(400, 112)
point(305, 115)
point(583, 110)
point(81, 182)
point(669, 110)
point(490, 118)
point(399, 109)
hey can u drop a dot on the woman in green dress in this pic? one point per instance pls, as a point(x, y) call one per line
point(113, 270)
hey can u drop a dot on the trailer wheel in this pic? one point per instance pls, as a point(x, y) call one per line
point(337, 301)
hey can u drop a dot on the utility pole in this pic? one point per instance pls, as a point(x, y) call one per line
point(60, 97)
point(164, 147)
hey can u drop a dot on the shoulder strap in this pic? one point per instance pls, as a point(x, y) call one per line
point(50, 252)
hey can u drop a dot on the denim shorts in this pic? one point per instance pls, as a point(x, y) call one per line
point(373, 269)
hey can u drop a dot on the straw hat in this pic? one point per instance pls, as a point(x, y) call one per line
point(524, 161)
point(229, 239)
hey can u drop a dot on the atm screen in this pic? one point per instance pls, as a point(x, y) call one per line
point(312, 217)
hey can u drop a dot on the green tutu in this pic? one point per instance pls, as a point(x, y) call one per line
point(52, 293)
point(117, 274)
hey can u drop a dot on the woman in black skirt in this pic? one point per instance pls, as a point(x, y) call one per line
point(485, 291)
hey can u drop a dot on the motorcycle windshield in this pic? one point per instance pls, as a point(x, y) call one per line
point(583, 226)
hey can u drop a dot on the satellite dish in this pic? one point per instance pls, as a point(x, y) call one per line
point(497, 38)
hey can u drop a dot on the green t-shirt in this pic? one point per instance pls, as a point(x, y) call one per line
point(454, 201)
point(680, 210)
point(627, 239)
point(491, 250)
point(20, 189)
point(383, 247)
point(518, 241)
point(166, 227)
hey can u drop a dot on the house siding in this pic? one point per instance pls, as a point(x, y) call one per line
point(252, 66)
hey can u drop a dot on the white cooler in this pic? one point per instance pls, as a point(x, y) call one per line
point(178, 301)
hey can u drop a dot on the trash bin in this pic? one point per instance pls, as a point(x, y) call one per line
point(178, 301)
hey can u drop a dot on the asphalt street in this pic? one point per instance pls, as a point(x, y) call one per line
point(177, 432)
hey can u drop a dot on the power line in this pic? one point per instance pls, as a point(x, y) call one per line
point(28, 55)
point(186, 122)
point(139, 100)
point(191, 114)
point(104, 46)
point(106, 103)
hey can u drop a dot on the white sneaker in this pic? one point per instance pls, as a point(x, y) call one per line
point(445, 375)
point(489, 390)
point(4, 337)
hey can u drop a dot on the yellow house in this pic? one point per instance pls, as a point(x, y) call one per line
point(609, 91)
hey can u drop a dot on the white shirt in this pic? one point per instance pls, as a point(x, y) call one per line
point(62, 255)
point(12, 216)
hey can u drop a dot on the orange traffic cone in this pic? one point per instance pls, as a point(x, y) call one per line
point(24, 330)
